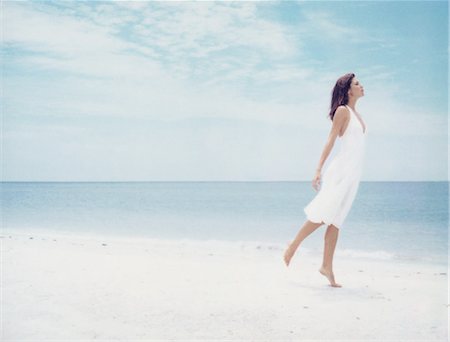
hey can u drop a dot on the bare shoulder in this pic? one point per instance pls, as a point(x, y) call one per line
point(340, 120)
point(342, 114)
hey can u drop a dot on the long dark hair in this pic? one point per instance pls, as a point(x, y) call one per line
point(339, 95)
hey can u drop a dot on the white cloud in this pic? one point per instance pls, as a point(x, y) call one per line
point(71, 45)
point(167, 33)
point(62, 36)
point(329, 27)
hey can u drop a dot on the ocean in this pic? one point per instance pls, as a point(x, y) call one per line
point(398, 221)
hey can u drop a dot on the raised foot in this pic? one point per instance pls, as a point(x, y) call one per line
point(288, 255)
point(329, 274)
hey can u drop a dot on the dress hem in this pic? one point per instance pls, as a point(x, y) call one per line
point(321, 221)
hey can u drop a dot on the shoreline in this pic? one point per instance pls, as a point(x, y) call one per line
point(317, 252)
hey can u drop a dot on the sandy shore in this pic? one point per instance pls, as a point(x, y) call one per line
point(74, 287)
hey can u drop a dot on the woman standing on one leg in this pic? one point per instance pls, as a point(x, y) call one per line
point(341, 178)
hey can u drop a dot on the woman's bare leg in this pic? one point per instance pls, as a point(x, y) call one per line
point(308, 228)
point(331, 236)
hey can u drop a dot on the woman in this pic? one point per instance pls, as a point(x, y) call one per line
point(341, 178)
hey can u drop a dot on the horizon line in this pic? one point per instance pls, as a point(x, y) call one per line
point(200, 181)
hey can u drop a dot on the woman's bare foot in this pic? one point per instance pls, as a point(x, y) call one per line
point(329, 274)
point(288, 255)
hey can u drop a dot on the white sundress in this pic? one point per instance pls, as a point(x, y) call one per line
point(340, 180)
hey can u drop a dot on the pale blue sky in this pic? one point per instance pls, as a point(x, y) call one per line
point(154, 91)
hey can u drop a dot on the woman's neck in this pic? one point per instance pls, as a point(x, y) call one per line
point(352, 103)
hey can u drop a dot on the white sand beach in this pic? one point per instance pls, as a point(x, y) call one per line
point(68, 287)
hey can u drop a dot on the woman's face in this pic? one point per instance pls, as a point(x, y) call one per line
point(356, 88)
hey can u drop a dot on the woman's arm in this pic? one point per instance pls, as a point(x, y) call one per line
point(340, 118)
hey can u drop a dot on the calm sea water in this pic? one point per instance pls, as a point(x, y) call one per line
point(405, 221)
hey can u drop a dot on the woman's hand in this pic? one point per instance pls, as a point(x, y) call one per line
point(316, 180)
